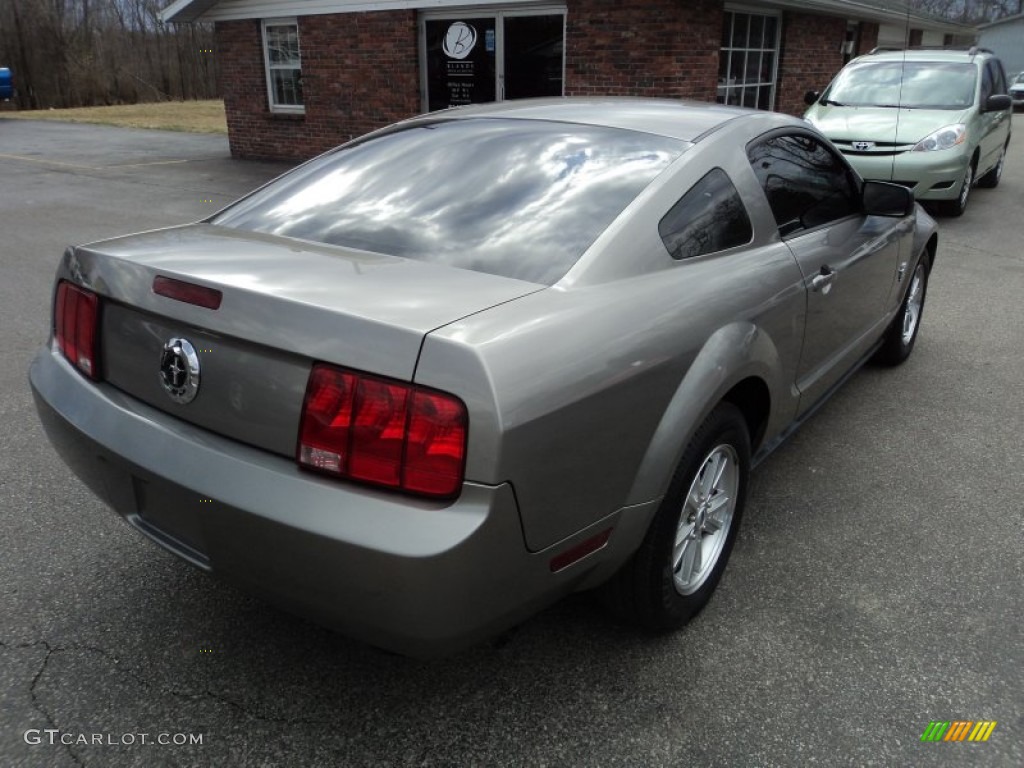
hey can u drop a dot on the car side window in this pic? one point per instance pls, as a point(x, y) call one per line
point(709, 217)
point(806, 183)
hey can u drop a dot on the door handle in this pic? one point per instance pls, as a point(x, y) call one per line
point(823, 280)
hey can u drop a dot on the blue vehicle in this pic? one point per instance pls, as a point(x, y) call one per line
point(6, 84)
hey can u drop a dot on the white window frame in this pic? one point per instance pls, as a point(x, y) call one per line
point(292, 109)
point(500, 13)
point(777, 51)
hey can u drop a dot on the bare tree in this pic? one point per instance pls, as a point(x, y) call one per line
point(969, 11)
point(66, 53)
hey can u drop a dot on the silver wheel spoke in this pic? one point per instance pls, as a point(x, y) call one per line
point(693, 502)
point(697, 547)
point(683, 532)
point(715, 519)
point(720, 467)
point(708, 474)
point(683, 558)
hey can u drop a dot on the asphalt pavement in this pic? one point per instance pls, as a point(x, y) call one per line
point(876, 585)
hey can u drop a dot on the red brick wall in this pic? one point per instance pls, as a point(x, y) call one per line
point(868, 37)
point(360, 71)
point(811, 56)
point(654, 48)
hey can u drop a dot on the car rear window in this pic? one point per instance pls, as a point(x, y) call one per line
point(517, 198)
point(909, 84)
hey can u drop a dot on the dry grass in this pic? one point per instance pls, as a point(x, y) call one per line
point(191, 116)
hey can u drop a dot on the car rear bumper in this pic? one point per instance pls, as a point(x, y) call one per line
point(931, 175)
point(422, 578)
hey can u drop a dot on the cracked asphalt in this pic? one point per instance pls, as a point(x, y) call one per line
point(876, 586)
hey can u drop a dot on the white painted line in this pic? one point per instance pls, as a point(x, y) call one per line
point(140, 165)
point(49, 162)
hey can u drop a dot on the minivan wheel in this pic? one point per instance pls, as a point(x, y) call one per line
point(959, 205)
point(991, 179)
point(681, 560)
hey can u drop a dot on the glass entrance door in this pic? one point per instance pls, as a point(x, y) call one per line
point(533, 47)
point(478, 58)
point(461, 63)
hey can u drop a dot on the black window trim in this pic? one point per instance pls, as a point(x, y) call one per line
point(855, 180)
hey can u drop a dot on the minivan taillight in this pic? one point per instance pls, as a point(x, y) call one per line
point(75, 314)
point(383, 432)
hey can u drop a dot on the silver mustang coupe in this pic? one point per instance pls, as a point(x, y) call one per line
point(431, 381)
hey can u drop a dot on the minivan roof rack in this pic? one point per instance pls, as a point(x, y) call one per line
point(969, 50)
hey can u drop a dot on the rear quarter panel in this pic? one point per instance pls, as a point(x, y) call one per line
point(584, 395)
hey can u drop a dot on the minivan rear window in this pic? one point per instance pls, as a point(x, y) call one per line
point(517, 198)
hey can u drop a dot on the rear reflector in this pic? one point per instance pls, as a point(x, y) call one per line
point(75, 314)
point(383, 432)
point(581, 550)
point(190, 293)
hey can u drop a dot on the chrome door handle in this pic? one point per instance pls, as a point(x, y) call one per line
point(823, 280)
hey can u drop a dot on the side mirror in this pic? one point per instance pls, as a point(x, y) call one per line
point(879, 198)
point(997, 103)
point(810, 97)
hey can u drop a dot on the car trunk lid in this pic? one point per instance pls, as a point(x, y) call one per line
point(285, 304)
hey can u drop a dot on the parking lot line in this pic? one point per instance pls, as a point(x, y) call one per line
point(41, 161)
point(140, 165)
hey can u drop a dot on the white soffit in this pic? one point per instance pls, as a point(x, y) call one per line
point(231, 10)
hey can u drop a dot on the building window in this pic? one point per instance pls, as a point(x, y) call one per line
point(491, 55)
point(748, 61)
point(284, 65)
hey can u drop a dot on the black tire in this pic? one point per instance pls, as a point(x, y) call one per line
point(991, 179)
point(898, 343)
point(956, 207)
point(644, 592)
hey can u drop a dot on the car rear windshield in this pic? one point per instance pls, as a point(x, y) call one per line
point(909, 84)
point(518, 198)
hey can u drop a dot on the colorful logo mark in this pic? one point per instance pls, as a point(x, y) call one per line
point(958, 730)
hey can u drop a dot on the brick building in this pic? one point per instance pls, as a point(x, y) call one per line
point(301, 76)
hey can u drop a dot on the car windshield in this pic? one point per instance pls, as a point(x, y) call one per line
point(909, 84)
point(1020, 79)
point(518, 198)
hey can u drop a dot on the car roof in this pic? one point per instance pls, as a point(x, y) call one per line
point(684, 120)
point(927, 54)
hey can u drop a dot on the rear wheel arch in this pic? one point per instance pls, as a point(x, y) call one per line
point(753, 399)
point(737, 365)
point(931, 248)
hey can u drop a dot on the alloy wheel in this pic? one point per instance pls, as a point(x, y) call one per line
point(705, 519)
point(914, 304)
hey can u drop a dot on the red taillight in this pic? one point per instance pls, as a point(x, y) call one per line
point(383, 432)
point(190, 293)
point(436, 444)
point(75, 315)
